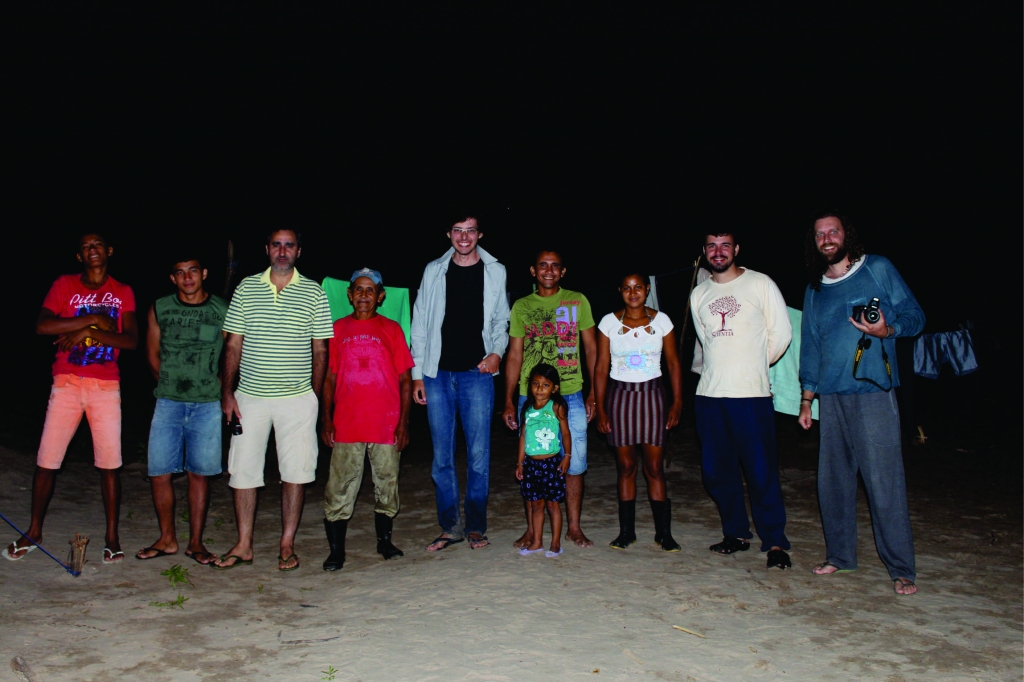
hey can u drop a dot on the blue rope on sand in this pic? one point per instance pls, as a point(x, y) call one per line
point(66, 567)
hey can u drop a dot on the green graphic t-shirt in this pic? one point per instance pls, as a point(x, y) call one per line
point(550, 327)
point(190, 347)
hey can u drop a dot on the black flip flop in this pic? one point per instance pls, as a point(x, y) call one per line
point(729, 545)
point(447, 542)
point(159, 553)
point(777, 557)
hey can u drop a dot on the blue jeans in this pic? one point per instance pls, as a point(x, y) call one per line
point(862, 433)
point(738, 435)
point(194, 427)
point(470, 395)
point(577, 429)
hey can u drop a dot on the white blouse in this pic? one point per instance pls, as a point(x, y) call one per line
point(635, 353)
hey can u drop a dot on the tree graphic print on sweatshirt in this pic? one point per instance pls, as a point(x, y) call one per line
point(726, 306)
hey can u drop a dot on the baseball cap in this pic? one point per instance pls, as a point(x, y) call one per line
point(366, 272)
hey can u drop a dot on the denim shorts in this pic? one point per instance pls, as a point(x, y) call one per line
point(577, 429)
point(185, 437)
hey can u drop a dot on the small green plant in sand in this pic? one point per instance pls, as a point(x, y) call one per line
point(129, 514)
point(218, 523)
point(183, 517)
point(259, 588)
point(329, 673)
point(305, 589)
point(177, 575)
point(179, 602)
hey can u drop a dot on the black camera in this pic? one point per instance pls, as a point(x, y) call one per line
point(870, 312)
point(235, 426)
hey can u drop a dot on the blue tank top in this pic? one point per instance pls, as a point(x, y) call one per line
point(542, 431)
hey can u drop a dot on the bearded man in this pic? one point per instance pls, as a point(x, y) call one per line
point(851, 297)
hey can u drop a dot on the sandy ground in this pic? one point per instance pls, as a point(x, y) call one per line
point(596, 614)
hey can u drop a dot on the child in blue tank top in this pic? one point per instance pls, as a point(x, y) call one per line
point(540, 470)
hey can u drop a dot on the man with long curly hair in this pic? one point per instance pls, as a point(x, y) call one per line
point(851, 297)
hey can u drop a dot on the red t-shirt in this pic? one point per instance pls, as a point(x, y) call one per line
point(68, 297)
point(368, 357)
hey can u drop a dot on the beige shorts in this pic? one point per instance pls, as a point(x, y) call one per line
point(294, 423)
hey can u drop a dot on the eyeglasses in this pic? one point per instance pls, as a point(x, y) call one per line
point(464, 231)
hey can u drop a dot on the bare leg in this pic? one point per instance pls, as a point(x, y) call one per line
point(43, 482)
point(625, 467)
point(555, 513)
point(198, 499)
point(163, 502)
point(292, 497)
point(110, 486)
point(654, 473)
point(525, 539)
point(537, 512)
point(574, 505)
point(245, 517)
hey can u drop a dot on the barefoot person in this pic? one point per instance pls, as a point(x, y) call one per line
point(631, 403)
point(93, 317)
point(541, 467)
point(277, 325)
point(367, 394)
point(743, 326)
point(860, 422)
point(459, 333)
point(549, 326)
point(183, 347)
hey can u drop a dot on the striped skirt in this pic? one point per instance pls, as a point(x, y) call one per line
point(636, 412)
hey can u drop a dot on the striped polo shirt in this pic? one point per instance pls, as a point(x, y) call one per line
point(277, 356)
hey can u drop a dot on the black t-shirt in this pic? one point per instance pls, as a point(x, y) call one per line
point(462, 342)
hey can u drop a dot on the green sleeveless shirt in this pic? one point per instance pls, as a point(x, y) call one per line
point(190, 347)
point(542, 431)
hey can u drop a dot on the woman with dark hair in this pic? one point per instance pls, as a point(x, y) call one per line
point(631, 403)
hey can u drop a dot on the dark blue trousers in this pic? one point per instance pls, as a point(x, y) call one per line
point(737, 438)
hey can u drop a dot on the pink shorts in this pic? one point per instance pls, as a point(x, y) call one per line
point(70, 397)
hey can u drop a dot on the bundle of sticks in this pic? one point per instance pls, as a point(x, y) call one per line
point(76, 555)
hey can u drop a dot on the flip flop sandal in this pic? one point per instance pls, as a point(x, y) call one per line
point(778, 557)
point(903, 582)
point(282, 560)
point(194, 556)
point(823, 564)
point(28, 549)
point(112, 557)
point(730, 545)
point(551, 555)
point(238, 561)
point(159, 553)
point(447, 543)
point(526, 551)
point(474, 542)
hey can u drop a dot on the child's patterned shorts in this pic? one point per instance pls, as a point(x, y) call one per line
point(542, 480)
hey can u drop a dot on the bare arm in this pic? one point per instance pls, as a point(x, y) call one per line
point(805, 418)
point(232, 359)
point(319, 365)
point(590, 349)
point(327, 409)
point(153, 344)
point(513, 366)
point(675, 377)
point(602, 369)
point(126, 339)
point(405, 391)
point(563, 427)
point(522, 455)
point(48, 324)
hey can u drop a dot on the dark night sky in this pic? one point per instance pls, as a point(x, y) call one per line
point(619, 133)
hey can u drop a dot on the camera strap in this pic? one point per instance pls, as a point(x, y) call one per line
point(862, 346)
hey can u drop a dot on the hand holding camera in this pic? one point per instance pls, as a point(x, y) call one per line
point(870, 319)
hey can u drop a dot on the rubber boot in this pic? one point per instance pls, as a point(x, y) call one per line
point(336, 539)
point(383, 523)
point(663, 525)
point(627, 525)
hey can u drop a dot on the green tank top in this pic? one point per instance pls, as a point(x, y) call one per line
point(542, 431)
point(190, 348)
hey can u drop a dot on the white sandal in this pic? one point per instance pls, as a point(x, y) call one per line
point(28, 549)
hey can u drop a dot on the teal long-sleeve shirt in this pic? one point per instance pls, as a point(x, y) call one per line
point(829, 341)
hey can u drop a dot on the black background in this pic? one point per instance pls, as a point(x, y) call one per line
point(615, 131)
